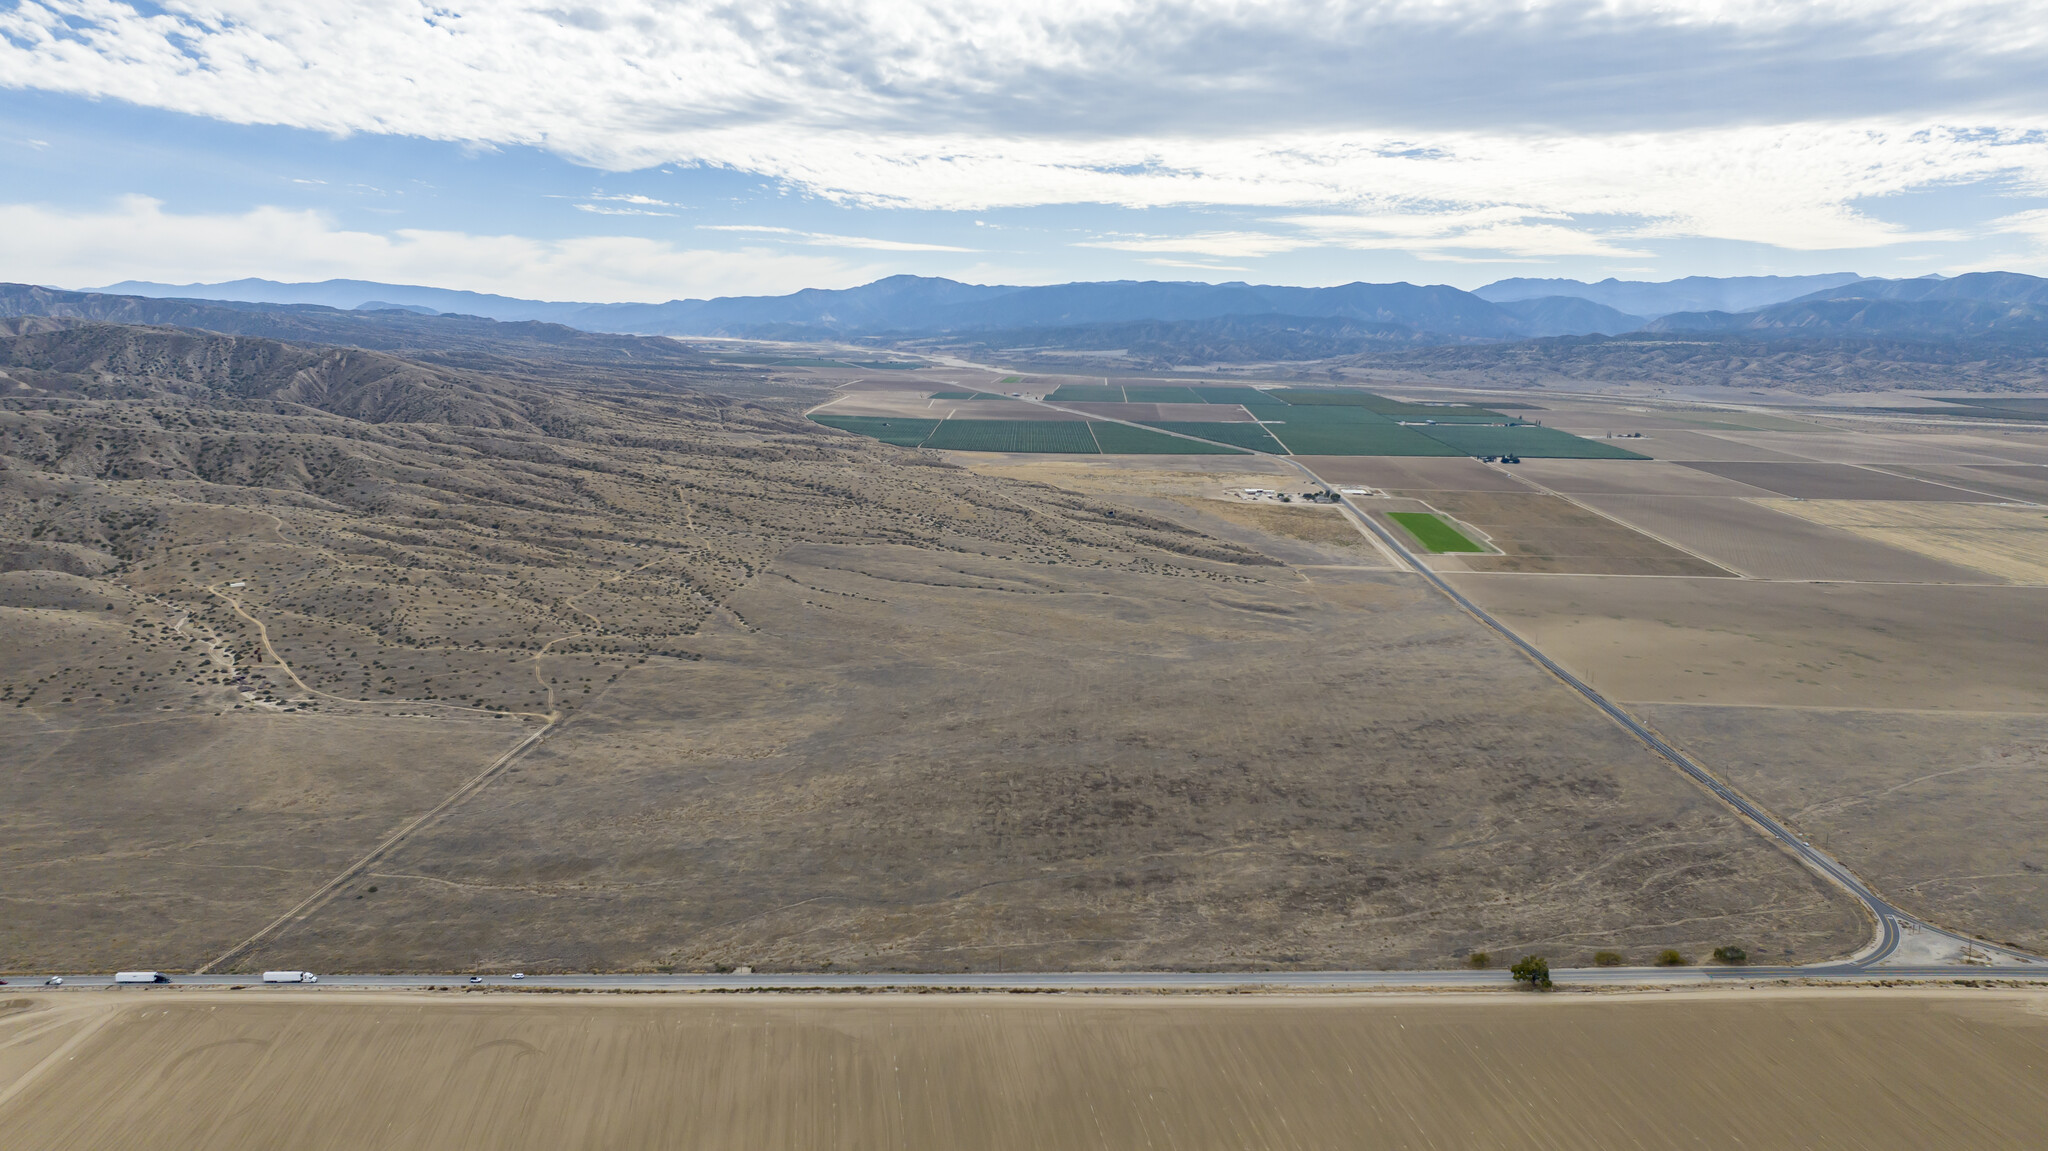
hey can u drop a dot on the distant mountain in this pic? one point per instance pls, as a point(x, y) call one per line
point(1691, 294)
point(347, 295)
point(918, 305)
point(1569, 316)
point(1990, 287)
point(1982, 305)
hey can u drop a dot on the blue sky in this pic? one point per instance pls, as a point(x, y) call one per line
point(642, 149)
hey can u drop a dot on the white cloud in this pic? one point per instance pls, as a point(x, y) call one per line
point(1230, 245)
point(1165, 263)
point(1512, 121)
point(830, 240)
point(137, 239)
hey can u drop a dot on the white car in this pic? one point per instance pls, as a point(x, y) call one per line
point(519, 975)
point(476, 979)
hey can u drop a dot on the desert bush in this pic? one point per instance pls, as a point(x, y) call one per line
point(1733, 956)
point(1671, 958)
point(1607, 959)
point(1479, 959)
point(1533, 970)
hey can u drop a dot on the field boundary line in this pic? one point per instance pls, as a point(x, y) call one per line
point(327, 890)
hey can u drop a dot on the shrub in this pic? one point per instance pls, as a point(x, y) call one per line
point(1607, 959)
point(1670, 958)
point(1533, 970)
point(1479, 959)
point(1733, 956)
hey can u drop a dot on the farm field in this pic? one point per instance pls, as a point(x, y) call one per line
point(904, 433)
point(1765, 540)
point(1524, 440)
point(1307, 432)
point(2009, 543)
point(1245, 435)
point(265, 1069)
point(1433, 533)
point(1013, 436)
point(1122, 439)
point(1722, 641)
point(1819, 481)
point(1416, 473)
point(1536, 532)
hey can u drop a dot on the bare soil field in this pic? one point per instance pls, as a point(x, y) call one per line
point(2027, 483)
point(1630, 478)
point(286, 1070)
point(1873, 447)
point(1817, 481)
point(1765, 643)
point(1947, 814)
point(1537, 532)
point(2010, 543)
point(1415, 473)
point(1761, 541)
point(1687, 446)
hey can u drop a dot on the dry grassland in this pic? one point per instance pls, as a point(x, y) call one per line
point(1324, 524)
point(1683, 447)
point(1755, 539)
point(2008, 542)
point(1807, 645)
point(225, 1071)
point(1947, 814)
point(910, 762)
point(1417, 473)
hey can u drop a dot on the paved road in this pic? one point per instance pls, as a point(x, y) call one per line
point(1889, 922)
point(1110, 980)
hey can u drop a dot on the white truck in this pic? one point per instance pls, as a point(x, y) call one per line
point(290, 977)
point(141, 977)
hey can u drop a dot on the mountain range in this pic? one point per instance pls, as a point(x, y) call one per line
point(1172, 322)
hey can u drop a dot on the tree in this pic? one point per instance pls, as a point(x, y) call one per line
point(1733, 956)
point(1479, 959)
point(1533, 970)
point(1670, 957)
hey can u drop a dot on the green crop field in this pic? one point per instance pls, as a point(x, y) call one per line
point(1433, 533)
point(1315, 415)
point(1158, 394)
point(1243, 435)
point(1011, 380)
point(1014, 436)
point(1122, 439)
point(1524, 440)
point(965, 396)
point(1231, 395)
point(888, 429)
point(1087, 394)
point(1399, 409)
point(1340, 438)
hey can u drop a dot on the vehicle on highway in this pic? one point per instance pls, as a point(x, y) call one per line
point(141, 977)
point(519, 975)
point(54, 981)
point(290, 977)
point(476, 979)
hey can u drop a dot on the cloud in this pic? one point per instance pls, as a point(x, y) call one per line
point(606, 210)
point(137, 239)
point(1741, 120)
point(829, 240)
point(1238, 245)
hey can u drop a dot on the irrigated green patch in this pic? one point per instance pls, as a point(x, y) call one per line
point(1433, 533)
point(1243, 435)
point(888, 429)
point(1122, 439)
point(1524, 440)
point(1400, 409)
point(1014, 436)
point(1087, 394)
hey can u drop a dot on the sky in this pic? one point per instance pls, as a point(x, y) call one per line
point(659, 149)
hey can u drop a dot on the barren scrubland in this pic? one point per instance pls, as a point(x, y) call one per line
point(261, 1069)
point(803, 700)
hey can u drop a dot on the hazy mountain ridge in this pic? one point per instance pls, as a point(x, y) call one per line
point(1652, 299)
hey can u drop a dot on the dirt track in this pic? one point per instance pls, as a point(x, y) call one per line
point(277, 1070)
